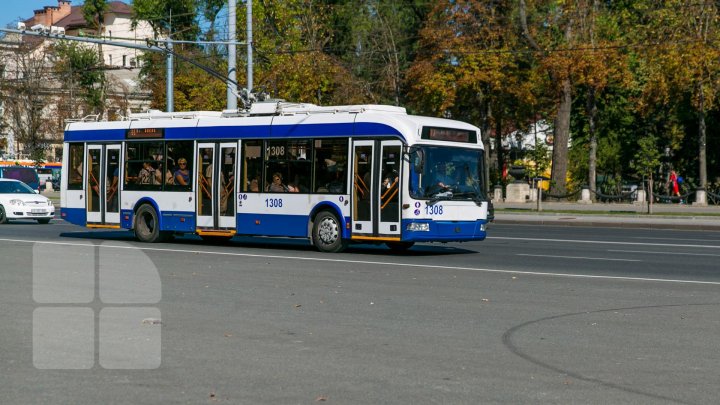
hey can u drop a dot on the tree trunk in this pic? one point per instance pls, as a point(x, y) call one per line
point(561, 136)
point(485, 114)
point(591, 108)
point(499, 148)
point(702, 140)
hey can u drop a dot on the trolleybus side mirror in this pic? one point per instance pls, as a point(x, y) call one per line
point(417, 158)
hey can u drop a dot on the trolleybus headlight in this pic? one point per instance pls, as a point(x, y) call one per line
point(418, 227)
point(16, 202)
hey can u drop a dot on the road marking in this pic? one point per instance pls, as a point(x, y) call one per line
point(427, 266)
point(580, 257)
point(600, 242)
point(664, 253)
point(676, 239)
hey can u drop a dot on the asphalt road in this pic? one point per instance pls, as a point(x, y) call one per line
point(534, 314)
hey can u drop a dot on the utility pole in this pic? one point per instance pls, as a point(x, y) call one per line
point(170, 78)
point(249, 47)
point(232, 56)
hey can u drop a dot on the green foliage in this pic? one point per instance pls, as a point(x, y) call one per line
point(647, 157)
point(83, 70)
point(164, 16)
point(93, 12)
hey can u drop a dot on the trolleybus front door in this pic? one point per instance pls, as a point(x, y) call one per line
point(376, 190)
point(215, 188)
point(102, 191)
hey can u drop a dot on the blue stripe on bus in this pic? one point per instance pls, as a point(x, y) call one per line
point(445, 231)
point(272, 225)
point(240, 131)
point(178, 221)
point(76, 216)
point(95, 135)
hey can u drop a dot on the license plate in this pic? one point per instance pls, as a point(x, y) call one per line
point(37, 211)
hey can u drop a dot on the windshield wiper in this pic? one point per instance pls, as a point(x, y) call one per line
point(444, 195)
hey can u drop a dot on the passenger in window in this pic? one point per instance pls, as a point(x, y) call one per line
point(336, 185)
point(182, 174)
point(147, 173)
point(255, 184)
point(277, 185)
point(390, 180)
point(295, 187)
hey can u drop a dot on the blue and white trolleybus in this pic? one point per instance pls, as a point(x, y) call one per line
point(334, 175)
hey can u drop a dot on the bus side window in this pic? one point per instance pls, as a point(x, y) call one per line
point(330, 164)
point(252, 181)
point(75, 167)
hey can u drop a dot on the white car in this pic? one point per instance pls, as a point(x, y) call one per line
point(19, 201)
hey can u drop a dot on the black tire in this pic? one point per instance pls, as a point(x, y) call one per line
point(327, 233)
point(3, 217)
point(43, 220)
point(147, 226)
point(399, 246)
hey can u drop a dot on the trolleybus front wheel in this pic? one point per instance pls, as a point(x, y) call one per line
point(327, 233)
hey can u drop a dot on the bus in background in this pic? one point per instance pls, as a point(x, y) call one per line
point(334, 175)
point(49, 172)
point(27, 175)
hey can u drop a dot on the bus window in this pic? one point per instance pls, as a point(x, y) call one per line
point(141, 164)
point(75, 167)
point(299, 166)
point(330, 163)
point(252, 166)
point(178, 166)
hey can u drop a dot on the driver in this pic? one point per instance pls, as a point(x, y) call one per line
point(442, 178)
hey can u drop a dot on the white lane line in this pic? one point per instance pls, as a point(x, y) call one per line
point(427, 266)
point(676, 239)
point(580, 257)
point(603, 242)
point(664, 253)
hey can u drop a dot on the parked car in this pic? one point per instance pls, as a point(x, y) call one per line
point(19, 201)
point(27, 175)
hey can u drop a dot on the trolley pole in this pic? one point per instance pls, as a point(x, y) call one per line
point(249, 47)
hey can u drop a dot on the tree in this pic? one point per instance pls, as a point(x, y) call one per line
point(83, 77)
point(646, 161)
point(467, 69)
point(94, 14)
point(684, 61)
point(168, 17)
point(25, 96)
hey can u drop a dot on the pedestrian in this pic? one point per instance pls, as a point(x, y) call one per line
point(674, 183)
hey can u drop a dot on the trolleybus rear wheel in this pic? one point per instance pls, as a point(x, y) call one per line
point(147, 226)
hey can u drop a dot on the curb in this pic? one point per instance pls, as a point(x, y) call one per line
point(594, 222)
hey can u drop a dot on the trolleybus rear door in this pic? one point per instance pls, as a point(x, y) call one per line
point(102, 184)
point(388, 198)
point(93, 185)
point(216, 186)
point(362, 192)
point(226, 187)
point(112, 185)
point(205, 187)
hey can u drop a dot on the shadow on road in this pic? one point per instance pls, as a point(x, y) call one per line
point(269, 244)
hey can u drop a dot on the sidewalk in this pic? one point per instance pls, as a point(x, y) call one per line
point(617, 215)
